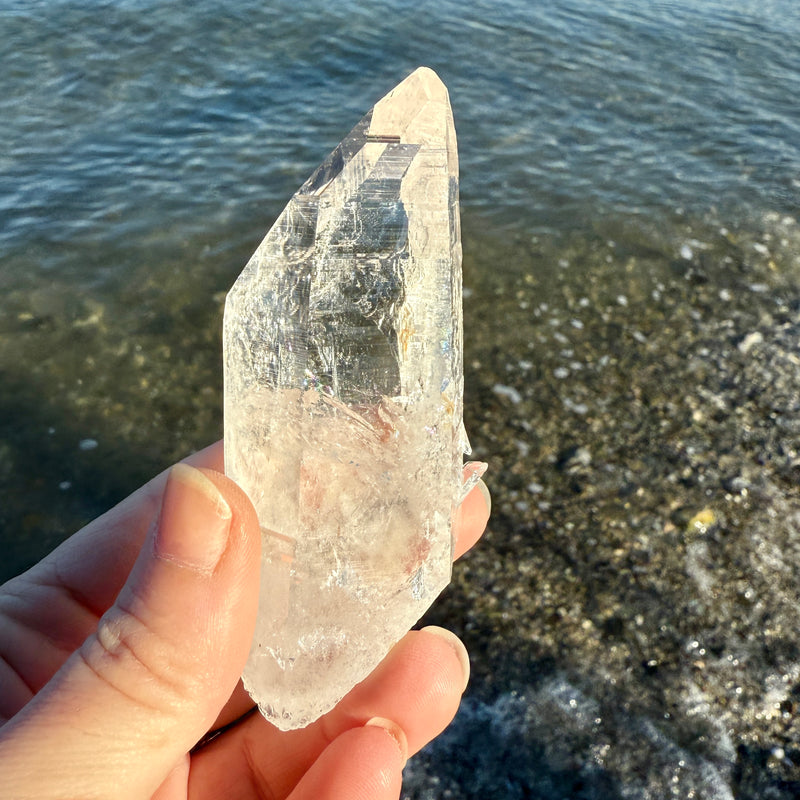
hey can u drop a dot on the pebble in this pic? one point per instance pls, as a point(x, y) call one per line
point(582, 457)
point(750, 341)
point(509, 392)
point(578, 408)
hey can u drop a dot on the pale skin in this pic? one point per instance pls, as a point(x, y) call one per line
point(121, 650)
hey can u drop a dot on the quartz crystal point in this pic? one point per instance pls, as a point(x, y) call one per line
point(343, 402)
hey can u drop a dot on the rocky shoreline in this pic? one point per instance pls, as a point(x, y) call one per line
point(632, 613)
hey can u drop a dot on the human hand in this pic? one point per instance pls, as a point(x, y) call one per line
point(120, 650)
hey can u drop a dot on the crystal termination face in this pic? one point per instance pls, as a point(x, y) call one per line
point(343, 402)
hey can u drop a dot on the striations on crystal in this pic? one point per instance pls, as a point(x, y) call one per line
point(343, 402)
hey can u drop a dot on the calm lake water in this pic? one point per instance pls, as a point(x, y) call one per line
point(609, 151)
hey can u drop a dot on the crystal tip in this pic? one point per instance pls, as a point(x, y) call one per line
point(425, 76)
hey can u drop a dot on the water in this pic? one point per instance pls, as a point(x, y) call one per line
point(630, 174)
point(118, 117)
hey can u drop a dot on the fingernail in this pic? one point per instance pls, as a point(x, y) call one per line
point(471, 474)
point(458, 648)
point(476, 468)
point(394, 730)
point(484, 490)
point(195, 520)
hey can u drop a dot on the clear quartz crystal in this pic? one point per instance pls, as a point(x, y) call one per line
point(343, 402)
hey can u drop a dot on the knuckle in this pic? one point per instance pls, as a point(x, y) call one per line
point(126, 655)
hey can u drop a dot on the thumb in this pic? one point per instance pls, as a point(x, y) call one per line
point(127, 706)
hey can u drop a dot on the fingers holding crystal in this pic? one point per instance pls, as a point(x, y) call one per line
point(469, 523)
point(417, 687)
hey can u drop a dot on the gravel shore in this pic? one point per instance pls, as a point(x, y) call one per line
point(632, 612)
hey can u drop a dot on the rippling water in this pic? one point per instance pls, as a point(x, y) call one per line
point(120, 117)
point(610, 153)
